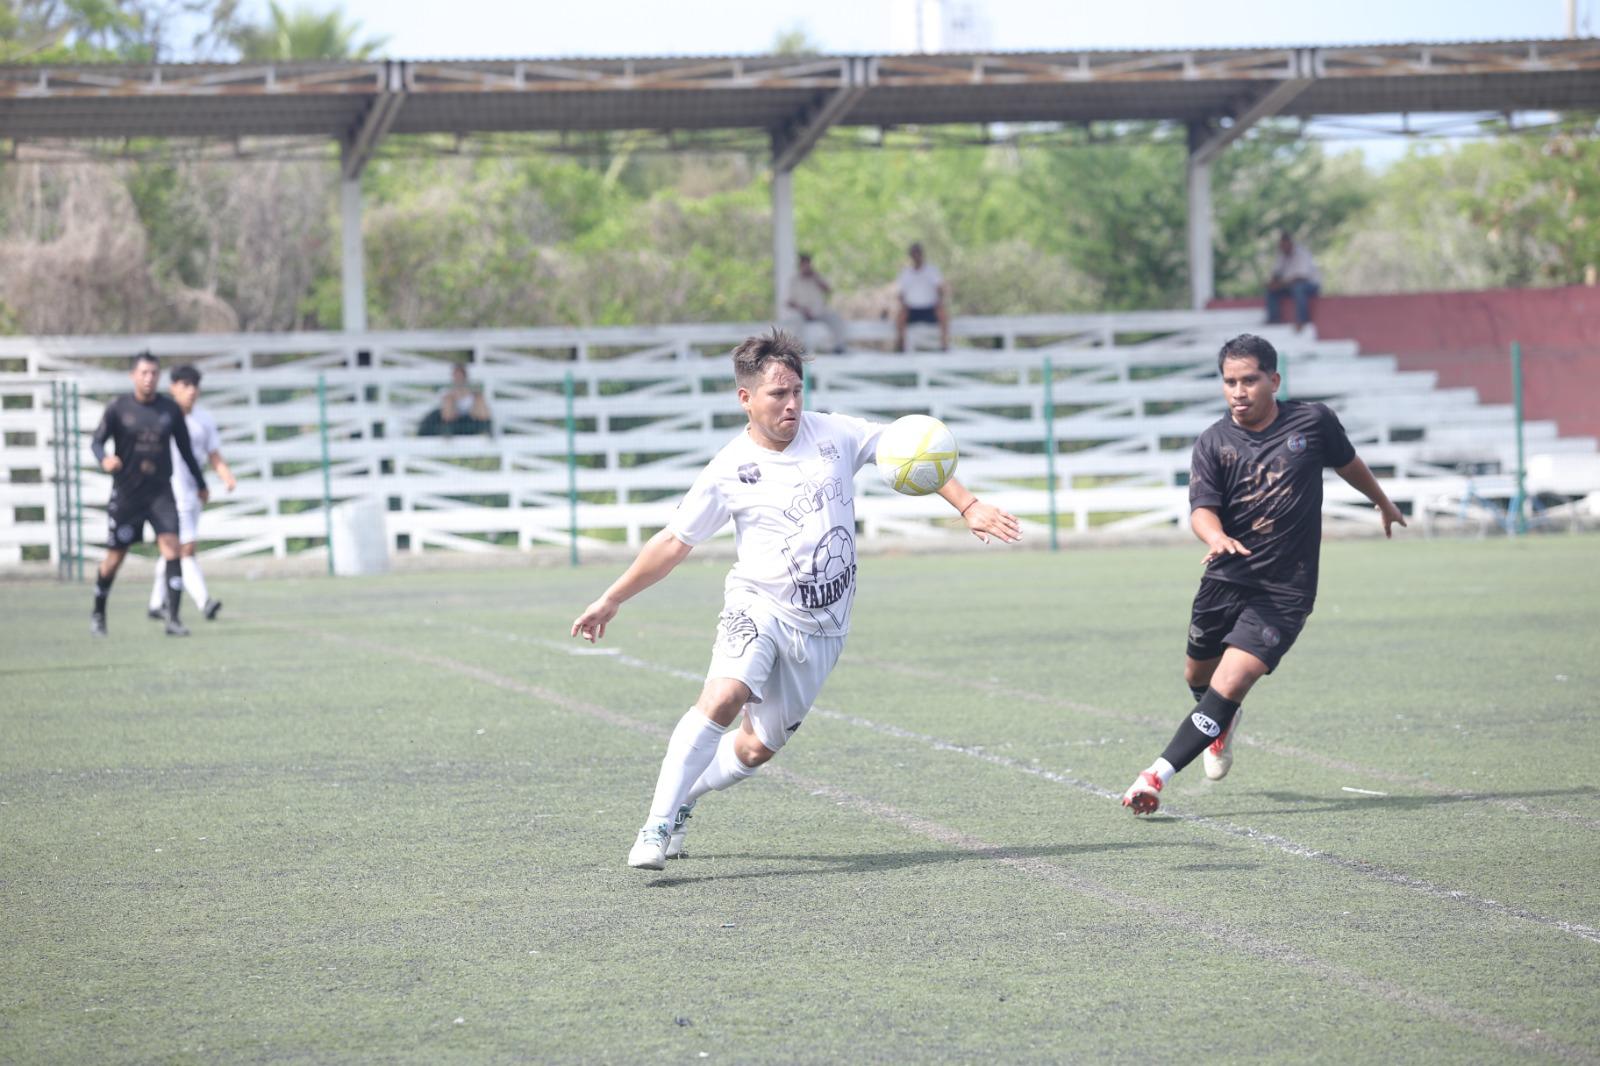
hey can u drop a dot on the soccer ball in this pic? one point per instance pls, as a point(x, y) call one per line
point(916, 455)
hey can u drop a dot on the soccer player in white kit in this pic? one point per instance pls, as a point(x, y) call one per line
point(787, 482)
point(207, 445)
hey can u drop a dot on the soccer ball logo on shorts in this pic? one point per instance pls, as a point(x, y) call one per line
point(916, 455)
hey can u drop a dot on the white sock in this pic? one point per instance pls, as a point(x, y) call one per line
point(1163, 770)
point(194, 580)
point(158, 591)
point(689, 751)
point(725, 770)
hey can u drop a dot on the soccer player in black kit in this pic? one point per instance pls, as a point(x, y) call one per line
point(143, 425)
point(1255, 497)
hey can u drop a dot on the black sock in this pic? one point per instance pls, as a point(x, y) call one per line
point(1198, 691)
point(102, 589)
point(174, 587)
point(1208, 721)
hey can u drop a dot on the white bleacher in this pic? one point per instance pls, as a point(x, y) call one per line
point(652, 404)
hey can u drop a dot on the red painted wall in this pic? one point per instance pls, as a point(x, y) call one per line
point(1467, 336)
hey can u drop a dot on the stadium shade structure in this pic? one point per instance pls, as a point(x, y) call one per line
point(1218, 94)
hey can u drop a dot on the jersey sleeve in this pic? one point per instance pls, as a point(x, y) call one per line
point(180, 437)
point(703, 511)
point(211, 443)
point(102, 433)
point(863, 436)
point(1336, 447)
point(1205, 475)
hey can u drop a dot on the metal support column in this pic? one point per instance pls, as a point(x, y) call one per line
point(353, 274)
point(1202, 268)
point(783, 250)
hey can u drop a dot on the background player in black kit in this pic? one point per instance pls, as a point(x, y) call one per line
point(1255, 494)
point(144, 426)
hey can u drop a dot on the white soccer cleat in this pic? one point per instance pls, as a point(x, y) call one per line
point(680, 829)
point(650, 850)
point(1144, 795)
point(1218, 756)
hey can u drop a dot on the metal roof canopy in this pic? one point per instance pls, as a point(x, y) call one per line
point(1217, 93)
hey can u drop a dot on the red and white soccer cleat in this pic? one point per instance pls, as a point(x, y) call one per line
point(1144, 795)
point(1218, 756)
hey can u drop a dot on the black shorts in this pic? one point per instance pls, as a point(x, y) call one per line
point(930, 315)
point(1226, 615)
point(126, 516)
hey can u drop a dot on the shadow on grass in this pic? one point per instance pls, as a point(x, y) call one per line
point(1304, 803)
point(893, 860)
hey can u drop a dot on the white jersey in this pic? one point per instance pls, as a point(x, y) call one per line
point(919, 286)
point(794, 518)
point(204, 441)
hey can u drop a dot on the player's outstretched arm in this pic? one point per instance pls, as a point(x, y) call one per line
point(655, 561)
point(180, 437)
point(1208, 527)
point(984, 519)
point(1362, 479)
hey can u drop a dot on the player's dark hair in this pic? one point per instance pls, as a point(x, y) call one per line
point(751, 359)
point(145, 356)
point(1250, 346)
point(189, 375)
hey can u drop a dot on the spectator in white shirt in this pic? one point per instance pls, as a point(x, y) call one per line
point(808, 300)
point(1295, 275)
point(922, 299)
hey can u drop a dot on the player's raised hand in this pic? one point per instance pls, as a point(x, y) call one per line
point(1223, 546)
point(1391, 517)
point(986, 520)
point(591, 624)
point(111, 464)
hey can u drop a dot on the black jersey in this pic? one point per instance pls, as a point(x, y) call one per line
point(1266, 486)
point(144, 434)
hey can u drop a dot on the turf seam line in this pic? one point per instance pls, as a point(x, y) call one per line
point(1238, 832)
point(1252, 943)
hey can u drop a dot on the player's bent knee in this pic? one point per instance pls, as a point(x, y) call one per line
point(751, 751)
point(1199, 671)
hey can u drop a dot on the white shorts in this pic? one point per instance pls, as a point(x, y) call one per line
point(189, 521)
point(783, 668)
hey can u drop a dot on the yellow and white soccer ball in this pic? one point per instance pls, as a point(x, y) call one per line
point(916, 455)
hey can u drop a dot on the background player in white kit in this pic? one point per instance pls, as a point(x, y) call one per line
point(207, 445)
point(787, 482)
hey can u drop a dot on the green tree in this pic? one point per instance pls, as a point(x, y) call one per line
point(1548, 198)
point(304, 33)
point(62, 31)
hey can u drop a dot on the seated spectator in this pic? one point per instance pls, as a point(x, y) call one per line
point(1295, 275)
point(808, 299)
point(462, 409)
point(922, 299)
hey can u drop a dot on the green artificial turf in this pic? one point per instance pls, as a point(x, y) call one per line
point(385, 819)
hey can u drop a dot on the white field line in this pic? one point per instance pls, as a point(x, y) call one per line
point(1247, 739)
point(1228, 937)
point(1238, 832)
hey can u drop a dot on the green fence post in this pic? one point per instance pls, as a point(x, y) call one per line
point(1050, 449)
point(1519, 502)
point(327, 477)
point(74, 458)
point(58, 414)
point(572, 472)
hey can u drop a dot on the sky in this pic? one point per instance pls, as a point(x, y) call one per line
point(462, 29)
